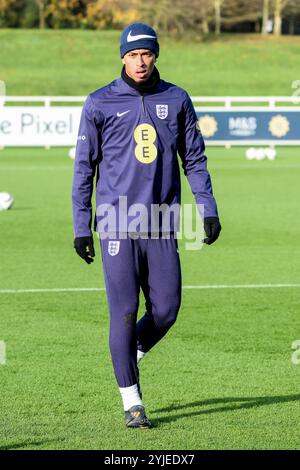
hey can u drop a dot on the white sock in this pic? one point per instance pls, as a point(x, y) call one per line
point(130, 396)
point(140, 355)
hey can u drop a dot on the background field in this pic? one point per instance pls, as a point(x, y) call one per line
point(77, 62)
point(223, 378)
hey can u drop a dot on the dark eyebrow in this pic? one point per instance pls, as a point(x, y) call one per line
point(143, 53)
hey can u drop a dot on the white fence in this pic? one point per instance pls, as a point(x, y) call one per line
point(227, 101)
point(51, 121)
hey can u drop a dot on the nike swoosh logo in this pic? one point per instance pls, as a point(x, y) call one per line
point(122, 114)
point(131, 38)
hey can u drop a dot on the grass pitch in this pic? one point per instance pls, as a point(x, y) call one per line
point(222, 378)
point(62, 62)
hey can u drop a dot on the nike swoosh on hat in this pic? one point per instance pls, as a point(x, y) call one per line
point(131, 38)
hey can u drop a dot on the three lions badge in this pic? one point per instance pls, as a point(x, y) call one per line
point(162, 111)
point(113, 248)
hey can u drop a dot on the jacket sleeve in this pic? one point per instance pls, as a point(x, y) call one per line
point(86, 159)
point(191, 150)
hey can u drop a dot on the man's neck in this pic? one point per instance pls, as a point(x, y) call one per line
point(143, 88)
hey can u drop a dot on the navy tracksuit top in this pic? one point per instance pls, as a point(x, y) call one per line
point(130, 142)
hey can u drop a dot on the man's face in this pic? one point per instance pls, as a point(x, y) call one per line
point(139, 64)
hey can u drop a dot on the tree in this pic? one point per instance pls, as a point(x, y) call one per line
point(265, 17)
point(217, 8)
point(112, 13)
point(291, 12)
point(168, 16)
point(41, 6)
point(65, 13)
point(11, 12)
point(278, 9)
point(176, 18)
point(237, 12)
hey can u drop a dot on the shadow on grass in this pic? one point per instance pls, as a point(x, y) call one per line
point(24, 444)
point(231, 404)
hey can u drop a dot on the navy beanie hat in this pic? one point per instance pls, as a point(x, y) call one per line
point(139, 36)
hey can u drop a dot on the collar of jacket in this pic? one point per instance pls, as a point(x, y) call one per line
point(142, 88)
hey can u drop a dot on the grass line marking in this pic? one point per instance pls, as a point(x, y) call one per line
point(99, 289)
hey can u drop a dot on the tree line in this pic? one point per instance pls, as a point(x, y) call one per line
point(172, 17)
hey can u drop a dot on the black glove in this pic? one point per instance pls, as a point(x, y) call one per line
point(84, 247)
point(212, 229)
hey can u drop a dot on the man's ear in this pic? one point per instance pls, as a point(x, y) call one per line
point(123, 61)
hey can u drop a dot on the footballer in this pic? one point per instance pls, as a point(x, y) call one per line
point(130, 133)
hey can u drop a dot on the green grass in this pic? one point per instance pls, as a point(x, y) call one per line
point(70, 62)
point(221, 379)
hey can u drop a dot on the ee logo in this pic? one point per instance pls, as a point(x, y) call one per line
point(145, 150)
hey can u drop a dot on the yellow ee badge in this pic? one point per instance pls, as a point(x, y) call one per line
point(145, 150)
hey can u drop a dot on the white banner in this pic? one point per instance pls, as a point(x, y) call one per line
point(39, 126)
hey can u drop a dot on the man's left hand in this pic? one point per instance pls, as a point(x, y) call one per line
point(212, 229)
point(84, 247)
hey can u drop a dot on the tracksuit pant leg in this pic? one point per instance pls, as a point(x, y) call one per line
point(128, 265)
point(162, 290)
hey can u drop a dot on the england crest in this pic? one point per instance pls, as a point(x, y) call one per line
point(162, 111)
point(113, 248)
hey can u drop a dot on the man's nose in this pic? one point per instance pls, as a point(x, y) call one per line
point(140, 60)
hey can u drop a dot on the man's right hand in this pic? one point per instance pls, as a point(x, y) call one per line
point(84, 247)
